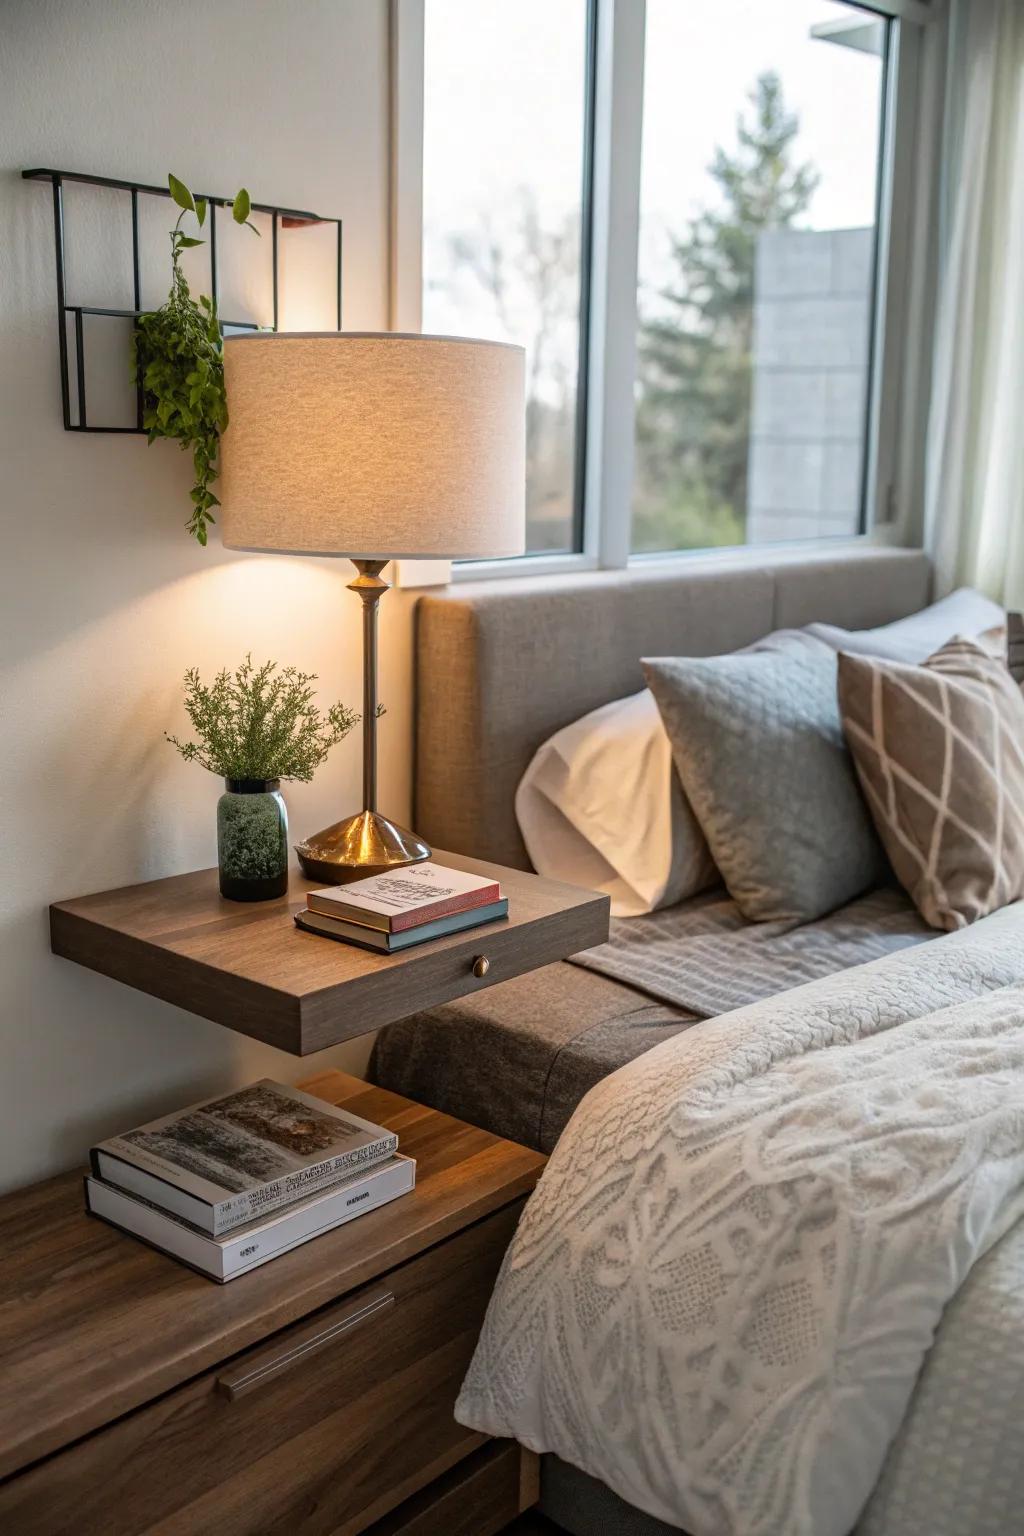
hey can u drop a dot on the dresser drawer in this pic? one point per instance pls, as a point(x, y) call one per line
point(479, 1497)
point(322, 1429)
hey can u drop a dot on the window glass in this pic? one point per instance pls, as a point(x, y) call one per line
point(759, 183)
point(503, 157)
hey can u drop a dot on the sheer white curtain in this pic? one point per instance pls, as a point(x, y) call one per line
point(975, 452)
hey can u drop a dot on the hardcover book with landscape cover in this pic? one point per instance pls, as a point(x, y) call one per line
point(240, 1155)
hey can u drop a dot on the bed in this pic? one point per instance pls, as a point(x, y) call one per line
point(501, 666)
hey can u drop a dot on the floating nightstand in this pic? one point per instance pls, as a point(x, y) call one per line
point(252, 970)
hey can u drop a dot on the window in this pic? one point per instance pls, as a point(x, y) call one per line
point(711, 223)
point(759, 189)
point(505, 129)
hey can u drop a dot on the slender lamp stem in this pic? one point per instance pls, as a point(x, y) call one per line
point(371, 589)
point(370, 705)
point(366, 843)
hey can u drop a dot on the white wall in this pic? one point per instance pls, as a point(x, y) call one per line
point(104, 600)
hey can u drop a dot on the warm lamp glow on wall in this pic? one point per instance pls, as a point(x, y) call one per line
point(378, 447)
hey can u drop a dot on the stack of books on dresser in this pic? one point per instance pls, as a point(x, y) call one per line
point(234, 1181)
point(394, 911)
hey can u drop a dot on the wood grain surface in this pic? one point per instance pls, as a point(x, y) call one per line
point(247, 966)
point(324, 1447)
point(94, 1324)
point(476, 1498)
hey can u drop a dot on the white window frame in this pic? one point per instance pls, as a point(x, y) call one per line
point(904, 283)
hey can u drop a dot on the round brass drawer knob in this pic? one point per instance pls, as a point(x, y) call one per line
point(481, 965)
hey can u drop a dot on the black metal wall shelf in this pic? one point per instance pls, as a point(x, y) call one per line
point(281, 218)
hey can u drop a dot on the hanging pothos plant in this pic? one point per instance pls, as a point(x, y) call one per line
point(177, 349)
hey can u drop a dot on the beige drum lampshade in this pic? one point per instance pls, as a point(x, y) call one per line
point(373, 445)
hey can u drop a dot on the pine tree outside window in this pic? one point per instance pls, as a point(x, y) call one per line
point(712, 224)
point(759, 194)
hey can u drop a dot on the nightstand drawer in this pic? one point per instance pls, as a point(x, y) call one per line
point(322, 1429)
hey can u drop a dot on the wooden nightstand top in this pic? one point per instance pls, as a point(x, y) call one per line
point(247, 965)
point(93, 1323)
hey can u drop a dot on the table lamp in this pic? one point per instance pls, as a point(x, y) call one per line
point(375, 446)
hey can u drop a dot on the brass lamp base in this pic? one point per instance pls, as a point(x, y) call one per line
point(361, 845)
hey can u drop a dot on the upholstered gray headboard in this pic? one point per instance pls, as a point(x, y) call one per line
point(502, 665)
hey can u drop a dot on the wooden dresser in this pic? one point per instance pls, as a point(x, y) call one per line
point(313, 1395)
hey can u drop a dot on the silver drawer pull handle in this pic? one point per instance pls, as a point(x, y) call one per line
point(234, 1383)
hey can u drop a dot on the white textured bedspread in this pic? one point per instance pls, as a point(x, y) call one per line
point(722, 1291)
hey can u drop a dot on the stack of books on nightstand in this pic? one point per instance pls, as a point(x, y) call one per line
point(408, 906)
point(234, 1181)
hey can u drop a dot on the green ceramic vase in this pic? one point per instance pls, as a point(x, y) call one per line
point(252, 840)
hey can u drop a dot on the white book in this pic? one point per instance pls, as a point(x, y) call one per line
point(405, 898)
point(224, 1258)
point(239, 1156)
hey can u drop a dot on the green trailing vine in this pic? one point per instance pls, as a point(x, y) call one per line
point(177, 350)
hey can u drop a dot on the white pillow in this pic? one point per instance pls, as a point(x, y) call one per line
point(601, 806)
point(912, 640)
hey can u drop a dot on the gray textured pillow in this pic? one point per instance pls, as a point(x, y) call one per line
point(758, 744)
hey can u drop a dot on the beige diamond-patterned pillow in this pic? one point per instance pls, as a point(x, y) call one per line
point(939, 751)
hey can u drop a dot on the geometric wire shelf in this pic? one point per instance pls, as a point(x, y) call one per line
point(287, 218)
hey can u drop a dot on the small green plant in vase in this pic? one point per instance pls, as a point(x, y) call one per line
point(177, 353)
point(255, 727)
